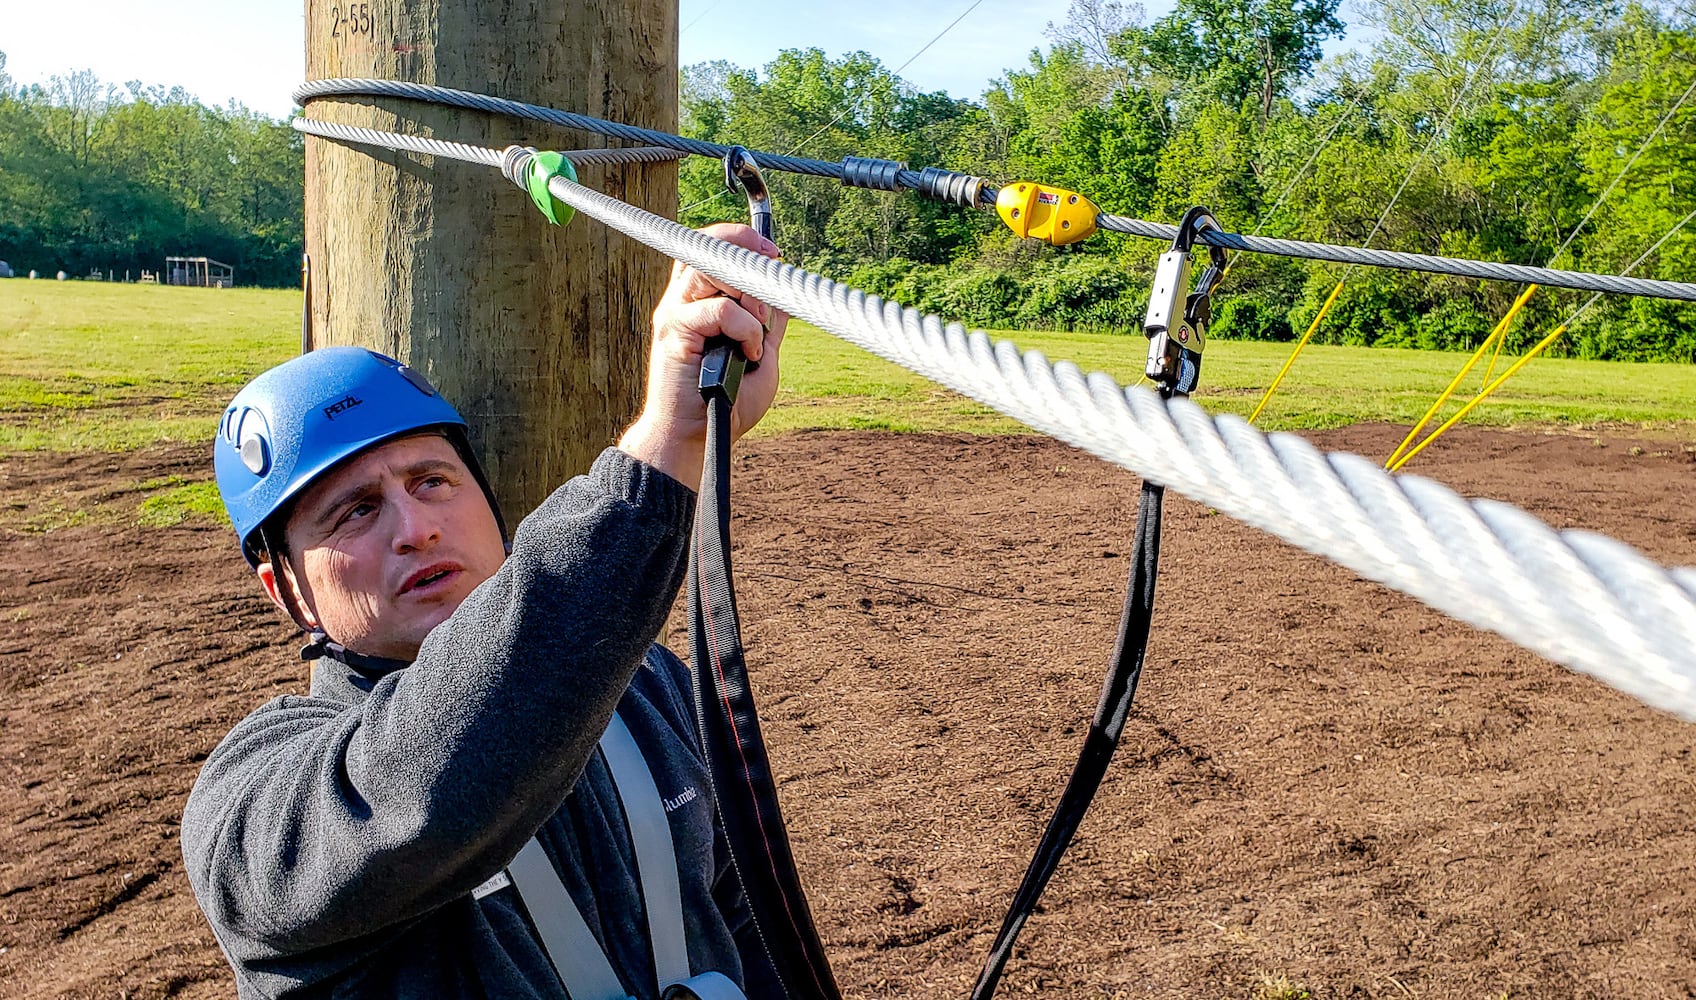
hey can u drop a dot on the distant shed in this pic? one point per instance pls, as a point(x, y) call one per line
point(201, 272)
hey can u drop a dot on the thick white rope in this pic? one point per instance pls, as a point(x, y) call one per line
point(1578, 598)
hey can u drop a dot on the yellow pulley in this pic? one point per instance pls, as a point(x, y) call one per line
point(1050, 214)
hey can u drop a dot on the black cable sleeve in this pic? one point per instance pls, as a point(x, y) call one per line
point(868, 172)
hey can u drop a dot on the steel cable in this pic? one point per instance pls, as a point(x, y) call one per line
point(467, 153)
point(317, 89)
point(1459, 267)
point(1582, 600)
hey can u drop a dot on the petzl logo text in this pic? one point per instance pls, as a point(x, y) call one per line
point(341, 406)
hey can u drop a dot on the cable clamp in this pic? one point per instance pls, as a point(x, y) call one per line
point(951, 188)
point(1053, 215)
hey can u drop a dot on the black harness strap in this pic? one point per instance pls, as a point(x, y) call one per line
point(1103, 737)
point(730, 735)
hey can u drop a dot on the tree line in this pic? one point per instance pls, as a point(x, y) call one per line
point(97, 177)
point(1498, 127)
point(1501, 123)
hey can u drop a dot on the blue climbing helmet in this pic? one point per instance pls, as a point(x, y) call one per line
point(302, 418)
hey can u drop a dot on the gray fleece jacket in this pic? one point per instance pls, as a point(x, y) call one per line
point(334, 841)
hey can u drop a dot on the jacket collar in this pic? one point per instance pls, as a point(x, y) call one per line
point(342, 674)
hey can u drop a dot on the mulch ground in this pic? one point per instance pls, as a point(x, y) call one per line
point(1322, 780)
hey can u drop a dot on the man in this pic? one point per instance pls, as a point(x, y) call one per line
point(357, 842)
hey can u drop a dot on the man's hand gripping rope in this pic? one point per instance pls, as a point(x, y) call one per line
point(672, 431)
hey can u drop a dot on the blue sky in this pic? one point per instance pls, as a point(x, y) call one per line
point(253, 50)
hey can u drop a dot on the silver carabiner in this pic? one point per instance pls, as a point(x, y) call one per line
point(1177, 319)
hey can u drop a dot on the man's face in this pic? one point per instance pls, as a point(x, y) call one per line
point(383, 548)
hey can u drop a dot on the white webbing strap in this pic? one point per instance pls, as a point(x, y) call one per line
point(656, 858)
point(571, 945)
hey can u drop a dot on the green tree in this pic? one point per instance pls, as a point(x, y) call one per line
point(1234, 51)
point(92, 177)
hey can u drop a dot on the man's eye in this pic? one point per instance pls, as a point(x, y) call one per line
point(431, 482)
point(360, 509)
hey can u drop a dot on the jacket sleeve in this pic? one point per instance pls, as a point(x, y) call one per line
point(315, 822)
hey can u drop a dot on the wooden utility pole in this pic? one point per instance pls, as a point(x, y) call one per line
point(538, 334)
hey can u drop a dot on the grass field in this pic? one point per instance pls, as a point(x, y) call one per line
point(88, 366)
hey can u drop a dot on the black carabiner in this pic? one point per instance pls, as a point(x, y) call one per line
point(1195, 221)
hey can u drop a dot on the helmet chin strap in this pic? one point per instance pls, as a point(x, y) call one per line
point(283, 572)
point(320, 644)
point(373, 667)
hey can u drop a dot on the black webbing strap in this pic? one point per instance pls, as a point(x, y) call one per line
point(730, 737)
point(1103, 738)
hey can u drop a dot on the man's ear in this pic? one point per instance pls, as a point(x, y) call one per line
point(291, 603)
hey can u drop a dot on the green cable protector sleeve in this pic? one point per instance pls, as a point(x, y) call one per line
point(544, 167)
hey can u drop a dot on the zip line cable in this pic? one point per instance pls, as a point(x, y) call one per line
point(1573, 596)
point(1499, 334)
point(468, 153)
point(1577, 598)
point(1436, 136)
point(942, 185)
point(1540, 347)
point(488, 157)
point(698, 17)
point(1459, 267)
point(844, 112)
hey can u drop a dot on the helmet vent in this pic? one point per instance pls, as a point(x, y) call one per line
point(255, 455)
point(418, 381)
point(253, 442)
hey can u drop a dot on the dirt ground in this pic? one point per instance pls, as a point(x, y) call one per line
point(1322, 782)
